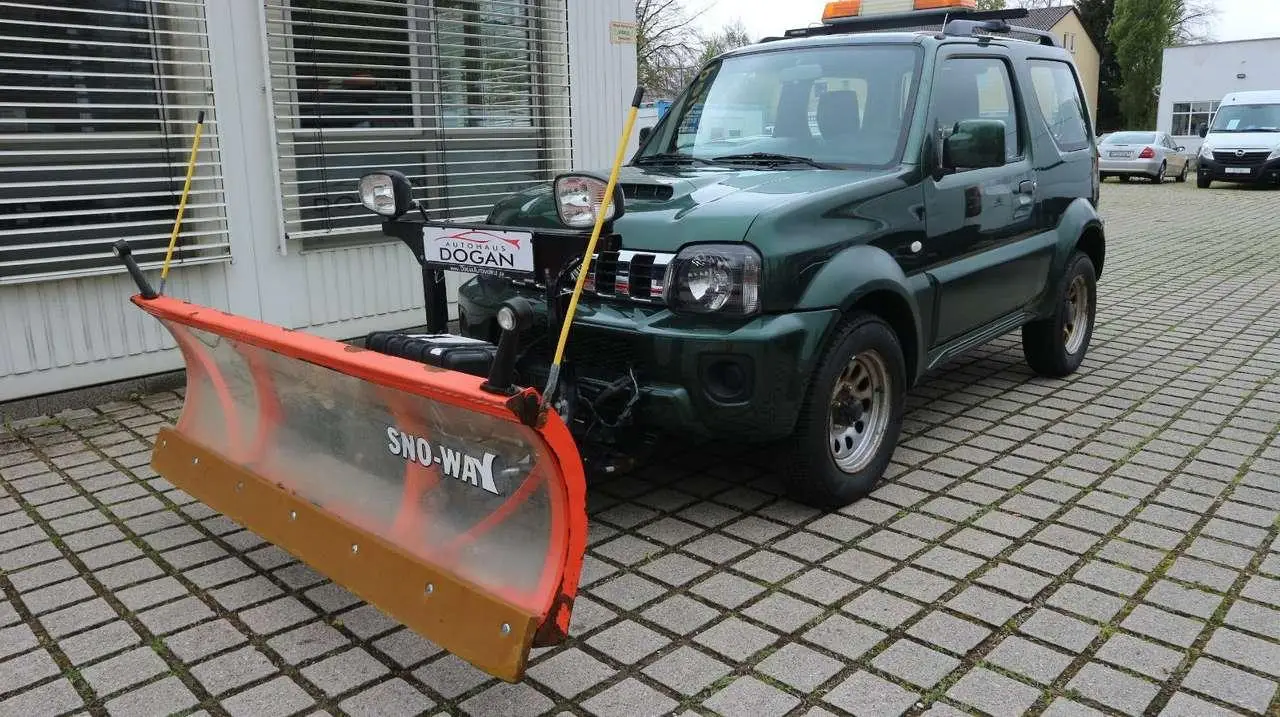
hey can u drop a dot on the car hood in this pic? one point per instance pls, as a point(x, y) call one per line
point(1254, 141)
point(668, 208)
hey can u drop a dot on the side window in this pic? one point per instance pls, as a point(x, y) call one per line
point(1058, 96)
point(977, 88)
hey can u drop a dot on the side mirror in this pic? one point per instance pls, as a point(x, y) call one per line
point(1182, 148)
point(645, 132)
point(974, 144)
point(1204, 130)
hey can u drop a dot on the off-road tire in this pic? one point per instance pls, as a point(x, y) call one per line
point(1203, 182)
point(1045, 342)
point(811, 473)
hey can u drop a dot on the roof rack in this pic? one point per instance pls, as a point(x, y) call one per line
point(968, 27)
point(962, 23)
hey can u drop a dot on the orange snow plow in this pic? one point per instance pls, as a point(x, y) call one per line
point(413, 471)
point(409, 485)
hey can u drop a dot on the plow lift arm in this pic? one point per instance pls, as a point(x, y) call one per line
point(455, 503)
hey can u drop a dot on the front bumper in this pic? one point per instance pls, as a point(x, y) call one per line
point(1129, 167)
point(726, 379)
point(1266, 171)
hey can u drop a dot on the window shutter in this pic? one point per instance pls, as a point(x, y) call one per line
point(98, 103)
point(469, 98)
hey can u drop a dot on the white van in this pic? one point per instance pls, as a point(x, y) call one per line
point(1243, 143)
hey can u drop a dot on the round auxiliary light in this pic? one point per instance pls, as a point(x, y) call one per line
point(507, 318)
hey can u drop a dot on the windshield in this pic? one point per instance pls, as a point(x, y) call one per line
point(841, 106)
point(1247, 118)
point(1130, 138)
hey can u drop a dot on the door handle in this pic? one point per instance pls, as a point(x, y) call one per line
point(1027, 186)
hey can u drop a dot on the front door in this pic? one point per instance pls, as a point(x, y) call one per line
point(974, 218)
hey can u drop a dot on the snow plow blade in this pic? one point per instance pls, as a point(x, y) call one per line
point(459, 512)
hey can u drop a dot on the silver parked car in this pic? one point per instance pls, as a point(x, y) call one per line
point(1152, 155)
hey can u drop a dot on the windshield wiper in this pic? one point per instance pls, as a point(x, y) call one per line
point(670, 158)
point(771, 158)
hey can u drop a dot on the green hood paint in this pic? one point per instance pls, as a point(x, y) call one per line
point(711, 203)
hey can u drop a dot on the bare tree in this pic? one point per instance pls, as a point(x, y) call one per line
point(729, 37)
point(666, 44)
point(1196, 22)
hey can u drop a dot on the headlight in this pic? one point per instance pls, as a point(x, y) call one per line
point(714, 278)
point(578, 200)
point(1206, 152)
point(386, 192)
point(1275, 154)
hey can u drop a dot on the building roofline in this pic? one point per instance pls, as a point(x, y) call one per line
point(1223, 42)
point(1080, 18)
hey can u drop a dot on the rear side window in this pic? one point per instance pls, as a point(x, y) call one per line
point(1058, 95)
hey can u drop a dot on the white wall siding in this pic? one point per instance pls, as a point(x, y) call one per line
point(602, 78)
point(360, 281)
point(79, 332)
point(1208, 72)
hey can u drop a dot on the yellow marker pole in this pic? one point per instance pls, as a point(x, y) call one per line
point(554, 377)
point(182, 202)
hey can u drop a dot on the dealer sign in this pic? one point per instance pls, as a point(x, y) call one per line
point(478, 251)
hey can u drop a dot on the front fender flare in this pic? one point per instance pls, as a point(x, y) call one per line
point(868, 272)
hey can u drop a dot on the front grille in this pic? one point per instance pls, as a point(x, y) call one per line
point(638, 276)
point(1248, 159)
point(634, 275)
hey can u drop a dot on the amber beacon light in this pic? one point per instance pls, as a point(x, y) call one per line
point(836, 11)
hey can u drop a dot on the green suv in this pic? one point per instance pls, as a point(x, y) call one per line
point(817, 222)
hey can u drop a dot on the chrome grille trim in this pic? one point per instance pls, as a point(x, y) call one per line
point(638, 276)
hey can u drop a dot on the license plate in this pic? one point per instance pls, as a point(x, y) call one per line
point(1238, 170)
point(1120, 155)
point(478, 251)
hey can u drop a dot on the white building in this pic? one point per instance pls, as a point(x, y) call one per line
point(98, 102)
point(1195, 78)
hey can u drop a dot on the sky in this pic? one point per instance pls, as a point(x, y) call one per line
point(1234, 19)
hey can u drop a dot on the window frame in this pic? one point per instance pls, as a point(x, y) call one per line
point(99, 175)
point(437, 141)
point(1190, 113)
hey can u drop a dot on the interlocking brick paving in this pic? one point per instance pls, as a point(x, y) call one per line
point(1101, 544)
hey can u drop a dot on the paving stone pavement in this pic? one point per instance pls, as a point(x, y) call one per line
point(1101, 544)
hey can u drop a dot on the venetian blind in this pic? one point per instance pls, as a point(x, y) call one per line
point(469, 98)
point(98, 103)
